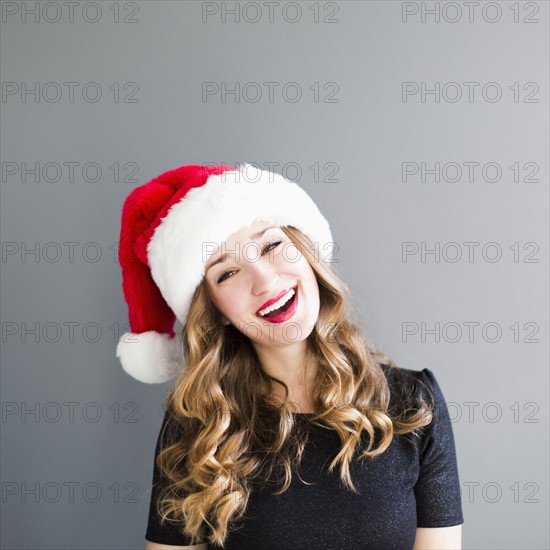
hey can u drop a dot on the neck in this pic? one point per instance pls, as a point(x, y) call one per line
point(295, 366)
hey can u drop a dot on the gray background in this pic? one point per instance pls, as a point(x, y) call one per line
point(78, 476)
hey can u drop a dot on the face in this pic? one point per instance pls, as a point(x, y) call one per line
point(258, 269)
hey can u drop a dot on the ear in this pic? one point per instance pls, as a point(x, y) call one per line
point(225, 320)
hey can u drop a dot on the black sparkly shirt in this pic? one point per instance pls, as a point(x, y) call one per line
point(409, 485)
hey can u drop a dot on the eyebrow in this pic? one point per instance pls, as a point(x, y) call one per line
point(254, 237)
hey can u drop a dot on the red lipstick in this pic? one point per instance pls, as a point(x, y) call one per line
point(273, 300)
point(288, 313)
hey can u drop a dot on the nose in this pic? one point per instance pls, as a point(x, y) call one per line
point(264, 277)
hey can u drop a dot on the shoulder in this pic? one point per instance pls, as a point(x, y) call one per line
point(400, 375)
point(176, 431)
point(409, 386)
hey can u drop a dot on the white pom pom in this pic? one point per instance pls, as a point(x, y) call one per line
point(150, 357)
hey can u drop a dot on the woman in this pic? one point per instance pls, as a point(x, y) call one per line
point(284, 427)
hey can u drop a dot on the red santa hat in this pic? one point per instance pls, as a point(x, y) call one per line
point(170, 227)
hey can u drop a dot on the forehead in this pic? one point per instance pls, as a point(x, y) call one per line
point(249, 231)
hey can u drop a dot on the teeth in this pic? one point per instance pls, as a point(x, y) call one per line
point(277, 304)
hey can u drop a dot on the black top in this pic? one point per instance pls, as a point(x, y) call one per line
point(407, 486)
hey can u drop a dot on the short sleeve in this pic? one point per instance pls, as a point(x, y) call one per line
point(169, 532)
point(437, 490)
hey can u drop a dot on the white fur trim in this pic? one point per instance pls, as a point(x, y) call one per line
point(206, 216)
point(150, 357)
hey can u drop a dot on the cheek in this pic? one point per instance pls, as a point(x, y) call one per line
point(291, 255)
point(229, 305)
point(218, 300)
point(312, 280)
point(305, 269)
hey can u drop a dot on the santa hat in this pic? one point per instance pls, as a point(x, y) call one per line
point(170, 227)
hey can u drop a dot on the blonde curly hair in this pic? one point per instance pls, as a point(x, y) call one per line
point(226, 432)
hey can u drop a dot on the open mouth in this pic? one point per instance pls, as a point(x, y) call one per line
point(282, 308)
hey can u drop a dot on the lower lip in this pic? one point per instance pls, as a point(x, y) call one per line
point(285, 315)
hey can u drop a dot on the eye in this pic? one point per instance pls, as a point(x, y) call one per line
point(270, 246)
point(223, 277)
